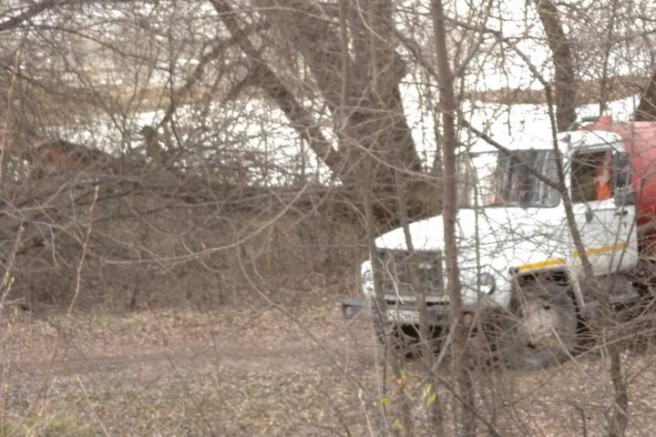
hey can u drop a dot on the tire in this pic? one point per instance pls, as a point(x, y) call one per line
point(542, 330)
point(644, 279)
point(405, 339)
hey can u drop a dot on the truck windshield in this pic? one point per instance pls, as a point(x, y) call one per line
point(494, 179)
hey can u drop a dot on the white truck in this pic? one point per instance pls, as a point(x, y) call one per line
point(516, 253)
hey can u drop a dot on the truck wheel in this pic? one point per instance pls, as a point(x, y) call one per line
point(405, 339)
point(543, 328)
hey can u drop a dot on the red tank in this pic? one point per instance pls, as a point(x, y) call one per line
point(640, 142)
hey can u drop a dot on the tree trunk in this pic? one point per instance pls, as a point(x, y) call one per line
point(460, 360)
point(646, 110)
point(564, 77)
point(360, 88)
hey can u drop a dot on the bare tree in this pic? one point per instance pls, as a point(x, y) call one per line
point(241, 157)
point(563, 62)
point(646, 110)
point(360, 89)
point(449, 107)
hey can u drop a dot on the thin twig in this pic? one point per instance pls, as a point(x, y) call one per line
point(93, 410)
point(85, 249)
point(7, 278)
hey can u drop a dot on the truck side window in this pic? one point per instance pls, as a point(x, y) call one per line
point(592, 176)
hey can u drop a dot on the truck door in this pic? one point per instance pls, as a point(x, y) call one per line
point(604, 214)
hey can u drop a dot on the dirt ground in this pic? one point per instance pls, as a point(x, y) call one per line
point(268, 371)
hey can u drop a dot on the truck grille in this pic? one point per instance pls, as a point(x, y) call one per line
point(398, 267)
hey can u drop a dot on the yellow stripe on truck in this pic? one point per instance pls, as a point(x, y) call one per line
point(541, 264)
point(561, 261)
point(602, 249)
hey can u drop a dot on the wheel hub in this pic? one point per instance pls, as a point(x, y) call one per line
point(539, 323)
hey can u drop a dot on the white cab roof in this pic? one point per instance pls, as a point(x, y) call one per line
point(566, 140)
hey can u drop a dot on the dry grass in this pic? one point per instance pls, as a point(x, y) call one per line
point(259, 371)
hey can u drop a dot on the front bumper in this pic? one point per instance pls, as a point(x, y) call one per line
point(407, 314)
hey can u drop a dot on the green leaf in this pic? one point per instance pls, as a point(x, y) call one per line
point(426, 390)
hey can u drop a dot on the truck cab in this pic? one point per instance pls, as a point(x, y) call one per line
point(516, 253)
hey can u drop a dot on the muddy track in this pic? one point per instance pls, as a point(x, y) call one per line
point(190, 362)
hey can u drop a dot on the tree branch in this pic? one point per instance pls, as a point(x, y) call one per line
point(301, 119)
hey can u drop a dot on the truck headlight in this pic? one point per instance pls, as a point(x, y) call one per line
point(487, 282)
point(367, 279)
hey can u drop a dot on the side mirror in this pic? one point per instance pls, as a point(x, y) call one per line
point(625, 197)
point(621, 170)
point(624, 194)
